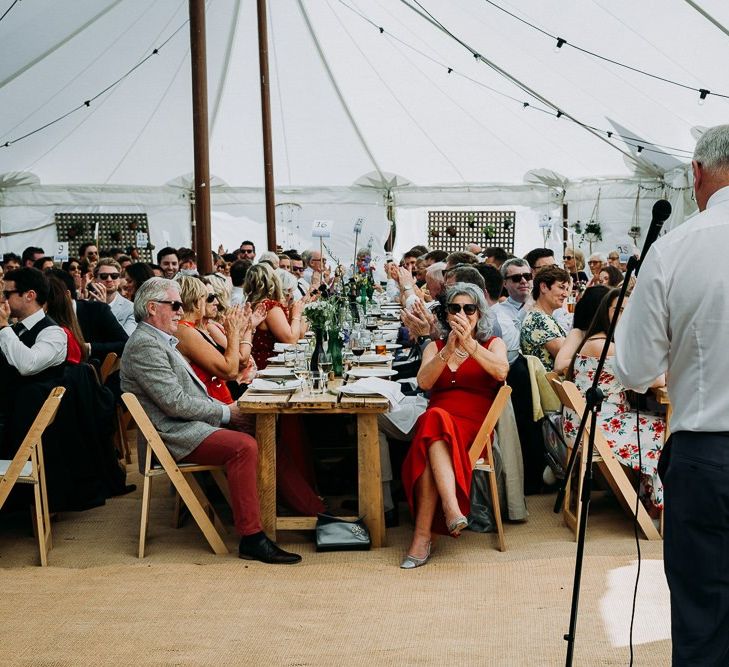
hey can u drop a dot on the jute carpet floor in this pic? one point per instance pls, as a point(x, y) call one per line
point(97, 604)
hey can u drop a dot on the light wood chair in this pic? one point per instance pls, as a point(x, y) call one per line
point(481, 454)
point(183, 481)
point(122, 441)
point(611, 469)
point(26, 467)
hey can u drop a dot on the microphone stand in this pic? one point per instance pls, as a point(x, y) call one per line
point(593, 404)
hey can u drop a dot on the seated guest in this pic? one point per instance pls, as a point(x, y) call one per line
point(493, 284)
point(60, 309)
point(539, 258)
point(189, 421)
point(135, 275)
point(541, 334)
point(518, 283)
point(585, 310)
point(73, 267)
point(610, 276)
point(595, 262)
point(456, 258)
point(100, 329)
point(435, 257)
point(43, 263)
point(495, 256)
point(238, 270)
point(108, 274)
point(616, 418)
point(574, 262)
point(463, 373)
point(212, 363)
point(11, 261)
point(33, 350)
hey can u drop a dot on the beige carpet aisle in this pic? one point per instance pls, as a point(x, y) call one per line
point(99, 605)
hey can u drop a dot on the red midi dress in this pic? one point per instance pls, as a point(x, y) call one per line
point(459, 402)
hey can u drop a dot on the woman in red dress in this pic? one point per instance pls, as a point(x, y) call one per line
point(60, 309)
point(463, 373)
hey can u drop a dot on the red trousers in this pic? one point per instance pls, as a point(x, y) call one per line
point(238, 452)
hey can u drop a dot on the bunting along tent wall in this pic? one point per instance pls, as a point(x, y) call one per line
point(358, 87)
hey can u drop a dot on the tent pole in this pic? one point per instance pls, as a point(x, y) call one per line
point(266, 125)
point(198, 61)
point(565, 227)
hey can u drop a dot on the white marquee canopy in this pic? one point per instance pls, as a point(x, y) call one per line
point(349, 99)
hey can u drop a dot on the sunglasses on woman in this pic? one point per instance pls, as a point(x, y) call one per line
point(210, 298)
point(468, 308)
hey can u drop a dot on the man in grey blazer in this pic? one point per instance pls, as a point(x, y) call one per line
point(195, 427)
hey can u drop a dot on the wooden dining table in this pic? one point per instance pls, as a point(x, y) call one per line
point(267, 407)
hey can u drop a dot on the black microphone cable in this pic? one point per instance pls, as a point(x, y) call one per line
point(635, 528)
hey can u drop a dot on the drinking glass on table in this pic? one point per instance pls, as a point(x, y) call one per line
point(357, 345)
point(290, 357)
point(302, 372)
point(325, 365)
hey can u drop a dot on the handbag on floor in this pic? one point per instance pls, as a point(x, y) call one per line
point(336, 534)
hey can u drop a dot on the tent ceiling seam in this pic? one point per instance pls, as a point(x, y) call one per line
point(226, 66)
point(396, 98)
point(59, 44)
point(337, 90)
point(280, 98)
point(526, 88)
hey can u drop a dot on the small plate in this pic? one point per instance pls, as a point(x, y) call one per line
point(278, 372)
point(393, 346)
point(371, 373)
point(276, 361)
point(374, 359)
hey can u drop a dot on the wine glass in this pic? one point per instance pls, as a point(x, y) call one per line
point(325, 365)
point(302, 372)
point(356, 345)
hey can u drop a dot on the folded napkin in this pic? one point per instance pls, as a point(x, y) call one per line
point(260, 384)
point(377, 387)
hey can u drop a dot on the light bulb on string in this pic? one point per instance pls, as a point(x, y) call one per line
point(560, 43)
point(703, 94)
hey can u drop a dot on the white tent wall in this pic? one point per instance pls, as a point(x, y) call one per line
point(27, 215)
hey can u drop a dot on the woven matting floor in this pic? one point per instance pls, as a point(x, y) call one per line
point(97, 604)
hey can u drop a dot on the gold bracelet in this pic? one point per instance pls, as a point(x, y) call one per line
point(440, 356)
point(246, 342)
point(294, 319)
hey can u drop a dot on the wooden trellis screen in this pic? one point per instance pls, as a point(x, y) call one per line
point(454, 230)
point(116, 230)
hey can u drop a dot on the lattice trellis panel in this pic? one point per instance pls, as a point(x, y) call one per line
point(454, 230)
point(116, 230)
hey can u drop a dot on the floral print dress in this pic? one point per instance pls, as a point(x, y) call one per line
point(617, 420)
point(537, 330)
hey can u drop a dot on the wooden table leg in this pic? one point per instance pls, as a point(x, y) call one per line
point(370, 477)
point(266, 437)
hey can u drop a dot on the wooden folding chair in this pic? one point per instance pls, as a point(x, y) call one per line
point(612, 470)
point(123, 418)
point(26, 467)
point(180, 475)
point(481, 454)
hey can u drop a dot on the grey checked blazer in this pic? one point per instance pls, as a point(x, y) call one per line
point(174, 398)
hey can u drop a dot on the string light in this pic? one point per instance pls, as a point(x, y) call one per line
point(630, 141)
point(87, 103)
point(561, 42)
point(703, 94)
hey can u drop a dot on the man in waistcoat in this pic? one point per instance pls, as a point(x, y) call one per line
point(32, 352)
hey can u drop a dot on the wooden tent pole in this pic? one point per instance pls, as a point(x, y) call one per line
point(266, 126)
point(200, 135)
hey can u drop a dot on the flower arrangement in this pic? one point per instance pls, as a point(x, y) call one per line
point(320, 314)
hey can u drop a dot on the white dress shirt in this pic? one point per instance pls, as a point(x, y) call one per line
point(677, 321)
point(50, 347)
point(510, 334)
point(123, 310)
point(514, 310)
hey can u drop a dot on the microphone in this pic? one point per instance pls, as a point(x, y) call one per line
point(659, 214)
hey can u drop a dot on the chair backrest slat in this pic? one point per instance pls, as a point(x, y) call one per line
point(489, 423)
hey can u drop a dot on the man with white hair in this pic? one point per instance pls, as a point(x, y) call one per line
point(269, 257)
point(190, 422)
point(672, 327)
point(596, 262)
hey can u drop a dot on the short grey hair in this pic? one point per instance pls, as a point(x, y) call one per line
point(484, 326)
point(154, 289)
point(514, 261)
point(270, 257)
point(712, 148)
point(435, 271)
point(288, 282)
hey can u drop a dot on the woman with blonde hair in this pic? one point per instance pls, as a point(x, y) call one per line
point(282, 324)
point(211, 362)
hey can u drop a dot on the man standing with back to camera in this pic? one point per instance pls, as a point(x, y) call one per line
point(670, 326)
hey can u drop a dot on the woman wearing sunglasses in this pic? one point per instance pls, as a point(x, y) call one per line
point(463, 372)
point(212, 363)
